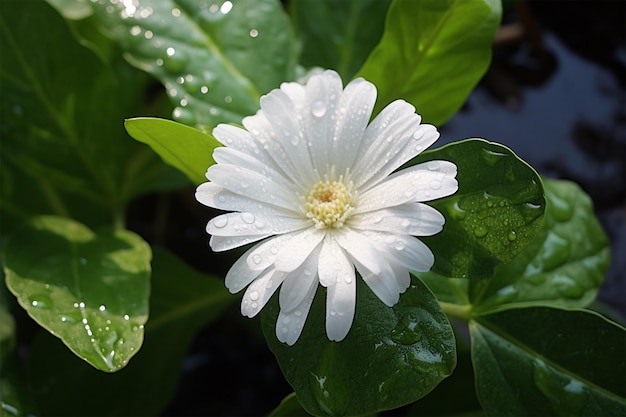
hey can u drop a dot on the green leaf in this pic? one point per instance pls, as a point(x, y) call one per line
point(563, 267)
point(497, 211)
point(90, 289)
point(62, 111)
point(338, 35)
point(289, 406)
point(391, 356)
point(433, 53)
point(215, 59)
point(183, 147)
point(544, 361)
point(181, 303)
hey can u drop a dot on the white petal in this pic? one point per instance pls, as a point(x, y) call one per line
point(353, 113)
point(423, 182)
point(263, 134)
point(240, 275)
point(222, 243)
point(333, 263)
point(297, 283)
point(360, 249)
point(384, 139)
point(250, 224)
point(241, 140)
point(300, 247)
point(212, 195)
point(321, 101)
point(253, 185)
point(404, 250)
point(340, 307)
point(260, 292)
point(281, 114)
point(415, 219)
point(233, 136)
point(265, 253)
point(289, 324)
point(384, 284)
point(420, 138)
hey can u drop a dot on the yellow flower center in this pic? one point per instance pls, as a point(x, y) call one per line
point(328, 204)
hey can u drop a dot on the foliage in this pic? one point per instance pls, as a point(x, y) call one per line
point(518, 261)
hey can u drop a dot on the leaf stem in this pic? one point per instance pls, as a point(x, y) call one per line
point(461, 312)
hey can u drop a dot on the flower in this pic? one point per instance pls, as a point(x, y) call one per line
point(315, 184)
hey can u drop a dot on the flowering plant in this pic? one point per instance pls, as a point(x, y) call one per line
point(380, 269)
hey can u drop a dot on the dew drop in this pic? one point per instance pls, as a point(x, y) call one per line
point(407, 331)
point(348, 279)
point(433, 165)
point(399, 245)
point(254, 295)
point(417, 135)
point(204, 89)
point(247, 217)
point(159, 62)
point(244, 184)
point(148, 34)
point(254, 33)
point(220, 221)
point(257, 259)
point(170, 51)
point(435, 185)
point(102, 308)
point(126, 317)
point(274, 250)
point(135, 30)
point(480, 231)
point(175, 12)
point(226, 7)
point(512, 235)
point(318, 109)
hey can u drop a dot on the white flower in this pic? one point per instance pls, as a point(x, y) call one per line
point(316, 185)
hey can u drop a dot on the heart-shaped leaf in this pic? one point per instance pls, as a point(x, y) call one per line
point(564, 265)
point(90, 289)
point(497, 210)
point(391, 356)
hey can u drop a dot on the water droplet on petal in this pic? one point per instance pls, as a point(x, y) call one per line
point(435, 185)
point(257, 259)
point(247, 217)
point(220, 221)
point(433, 165)
point(244, 184)
point(318, 109)
point(254, 295)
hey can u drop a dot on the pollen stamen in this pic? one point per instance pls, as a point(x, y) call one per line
point(328, 204)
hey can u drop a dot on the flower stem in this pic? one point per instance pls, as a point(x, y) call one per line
point(461, 312)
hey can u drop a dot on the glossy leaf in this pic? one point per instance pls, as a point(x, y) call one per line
point(181, 303)
point(564, 266)
point(90, 289)
point(496, 212)
point(215, 59)
point(183, 147)
point(289, 406)
point(544, 361)
point(433, 53)
point(62, 116)
point(391, 356)
point(348, 31)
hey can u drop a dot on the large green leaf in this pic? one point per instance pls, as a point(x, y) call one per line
point(183, 147)
point(89, 289)
point(182, 302)
point(497, 210)
point(564, 265)
point(544, 361)
point(62, 113)
point(215, 59)
point(391, 356)
point(338, 34)
point(433, 53)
